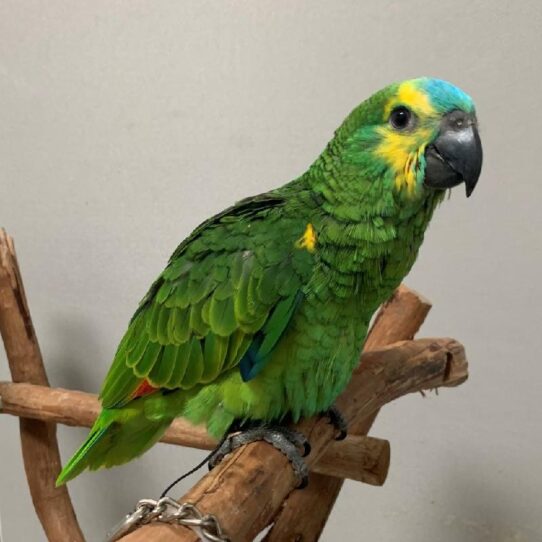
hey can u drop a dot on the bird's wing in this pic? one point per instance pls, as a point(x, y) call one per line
point(224, 300)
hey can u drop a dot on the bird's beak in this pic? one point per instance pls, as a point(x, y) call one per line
point(456, 154)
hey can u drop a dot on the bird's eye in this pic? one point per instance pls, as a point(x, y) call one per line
point(401, 118)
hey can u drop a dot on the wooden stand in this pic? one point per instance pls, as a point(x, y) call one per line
point(254, 486)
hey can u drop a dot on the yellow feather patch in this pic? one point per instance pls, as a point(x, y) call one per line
point(308, 240)
point(411, 96)
point(403, 150)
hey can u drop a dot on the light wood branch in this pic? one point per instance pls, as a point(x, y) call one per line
point(398, 319)
point(364, 459)
point(228, 491)
point(247, 489)
point(38, 439)
point(370, 455)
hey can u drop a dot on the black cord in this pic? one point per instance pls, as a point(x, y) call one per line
point(192, 471)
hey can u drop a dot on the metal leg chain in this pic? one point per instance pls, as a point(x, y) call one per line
point(167, 510)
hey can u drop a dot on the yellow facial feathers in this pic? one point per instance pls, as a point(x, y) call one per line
point(402, 150)
point(409, 95)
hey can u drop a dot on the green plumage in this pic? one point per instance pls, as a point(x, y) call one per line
point(254, 318)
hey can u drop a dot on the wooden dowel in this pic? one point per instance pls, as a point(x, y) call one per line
point(371, 454)
point(357, 458)
point(38, 439)
point(398, 319)
point(247, 489)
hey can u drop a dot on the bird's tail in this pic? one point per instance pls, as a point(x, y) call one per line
point(117, 436)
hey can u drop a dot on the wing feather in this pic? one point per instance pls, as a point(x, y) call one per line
point(219, 304)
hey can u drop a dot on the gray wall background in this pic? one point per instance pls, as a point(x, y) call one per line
point(124, 124)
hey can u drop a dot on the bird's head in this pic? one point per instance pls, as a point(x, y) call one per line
point(416, 136)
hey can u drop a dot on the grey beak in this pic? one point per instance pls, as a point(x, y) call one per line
point(456, 155)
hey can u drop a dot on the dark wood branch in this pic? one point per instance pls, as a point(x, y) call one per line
point(247, 489)
point(398, 319)
point(358, 458)
point(38, 439)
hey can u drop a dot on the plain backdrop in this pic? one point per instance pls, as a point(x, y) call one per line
point(123, 124)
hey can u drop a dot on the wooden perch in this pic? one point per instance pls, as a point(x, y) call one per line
point(38, 439)
point(398, 319)
point(370, 456)
point(247, 489)
point(364, 459)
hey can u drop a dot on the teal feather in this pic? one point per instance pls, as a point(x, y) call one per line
point(265, 341)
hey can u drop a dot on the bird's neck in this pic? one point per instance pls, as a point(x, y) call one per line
point(368, 235)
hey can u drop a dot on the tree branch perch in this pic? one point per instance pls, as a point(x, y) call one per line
point(364, 459)
point(398, 319)
point(247, 489)
point(38, 439)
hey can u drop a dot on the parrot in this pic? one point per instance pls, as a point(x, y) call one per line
point(261, 312)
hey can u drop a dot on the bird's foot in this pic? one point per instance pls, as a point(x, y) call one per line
point(337, 420)
point(291, 443)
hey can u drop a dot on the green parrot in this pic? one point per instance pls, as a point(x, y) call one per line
point(261, 313)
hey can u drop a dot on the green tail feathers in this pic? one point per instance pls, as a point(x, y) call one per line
point(116, 437)
point(79, 461)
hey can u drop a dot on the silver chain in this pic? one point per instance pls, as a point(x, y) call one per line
point(167, 510)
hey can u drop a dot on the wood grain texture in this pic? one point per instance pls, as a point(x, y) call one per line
point(248, 488)
point(398, 319)
point(38, 439)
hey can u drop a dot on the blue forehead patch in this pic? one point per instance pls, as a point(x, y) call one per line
point(446, 97)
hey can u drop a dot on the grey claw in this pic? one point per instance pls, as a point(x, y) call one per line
point(285, 440)
point(337, 420)
point(221, 452)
